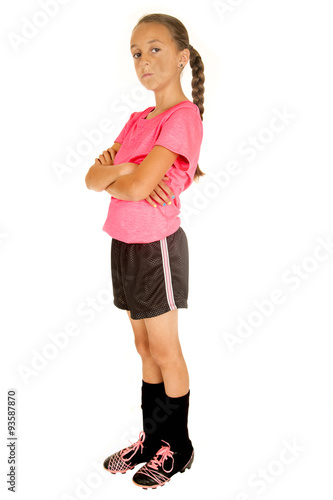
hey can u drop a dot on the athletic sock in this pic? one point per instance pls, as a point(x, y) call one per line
point(152, 397)
point(175, 427)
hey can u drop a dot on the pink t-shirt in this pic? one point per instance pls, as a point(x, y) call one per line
point(178, 129)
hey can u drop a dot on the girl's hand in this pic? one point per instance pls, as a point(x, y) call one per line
point(160, 194)
point(107, 157)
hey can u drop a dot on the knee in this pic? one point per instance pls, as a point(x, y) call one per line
point(164, 357)
point(142, 348)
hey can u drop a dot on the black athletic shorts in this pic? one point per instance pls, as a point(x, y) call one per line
point(150, 279)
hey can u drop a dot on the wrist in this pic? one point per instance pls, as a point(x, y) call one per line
point(118, 171)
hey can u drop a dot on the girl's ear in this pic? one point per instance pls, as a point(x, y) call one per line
point(185, 57)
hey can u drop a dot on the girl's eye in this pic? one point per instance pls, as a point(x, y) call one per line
point(138, 53)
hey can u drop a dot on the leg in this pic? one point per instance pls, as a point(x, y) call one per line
point(151, 372)
point(177, 445)
point(166, 351)
point(152, 391)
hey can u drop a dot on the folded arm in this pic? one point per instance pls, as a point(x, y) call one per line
point(140, 184)
point(103, 172)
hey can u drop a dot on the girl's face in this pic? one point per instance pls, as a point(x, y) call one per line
point(155, 53)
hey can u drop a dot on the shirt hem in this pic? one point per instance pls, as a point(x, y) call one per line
point(141, 242)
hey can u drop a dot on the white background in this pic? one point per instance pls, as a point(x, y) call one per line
point(246, 237)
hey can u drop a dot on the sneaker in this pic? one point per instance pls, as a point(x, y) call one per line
point(163, 466)
point(126, 459)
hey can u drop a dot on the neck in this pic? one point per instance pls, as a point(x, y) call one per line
point(167, 98)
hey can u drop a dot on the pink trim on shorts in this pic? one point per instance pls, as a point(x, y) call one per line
point(167, 274)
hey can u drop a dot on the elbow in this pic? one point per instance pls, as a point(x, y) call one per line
point(87, 181)
point(91, 182)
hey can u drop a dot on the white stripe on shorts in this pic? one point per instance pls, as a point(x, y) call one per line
point(167, 274)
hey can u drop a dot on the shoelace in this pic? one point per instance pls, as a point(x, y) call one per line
point(135, 446)
point(165, 453)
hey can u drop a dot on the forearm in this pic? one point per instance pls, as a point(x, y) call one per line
point(100, 176)
point(123, 188)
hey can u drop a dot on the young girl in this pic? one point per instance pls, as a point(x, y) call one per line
point(149, 250)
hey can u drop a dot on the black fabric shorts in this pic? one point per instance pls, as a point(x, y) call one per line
point(150, 279)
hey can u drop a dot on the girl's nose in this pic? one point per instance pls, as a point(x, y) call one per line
point(144, 60)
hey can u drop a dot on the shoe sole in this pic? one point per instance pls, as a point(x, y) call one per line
point(187, 466)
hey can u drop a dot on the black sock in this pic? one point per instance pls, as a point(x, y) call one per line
point(175, 430)
point(151, 396)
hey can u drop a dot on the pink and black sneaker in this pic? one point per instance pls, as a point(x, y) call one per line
point(163, 466)
point(126, 459)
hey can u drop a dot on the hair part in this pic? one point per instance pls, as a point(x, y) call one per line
point(180, 36)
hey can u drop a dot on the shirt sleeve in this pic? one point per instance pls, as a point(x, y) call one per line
point(182, 133)
point(125, 129)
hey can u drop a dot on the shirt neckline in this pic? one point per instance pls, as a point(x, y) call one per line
point(152, 108)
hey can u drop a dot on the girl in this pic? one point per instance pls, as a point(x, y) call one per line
point(149, 251)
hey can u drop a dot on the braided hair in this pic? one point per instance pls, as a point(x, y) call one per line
point(180, 36)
